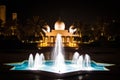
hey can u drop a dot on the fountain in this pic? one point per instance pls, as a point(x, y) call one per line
point(37, 63)
point(30, 60)
point(58, 64)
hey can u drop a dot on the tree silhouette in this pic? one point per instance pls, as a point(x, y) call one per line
point(33, 27)
point(114, 29)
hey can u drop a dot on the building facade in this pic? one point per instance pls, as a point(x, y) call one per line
point(59, 28)
point(3, 13)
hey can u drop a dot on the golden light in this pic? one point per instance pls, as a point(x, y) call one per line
point(59, 25)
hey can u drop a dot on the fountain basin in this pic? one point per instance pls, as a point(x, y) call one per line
point(48, 66)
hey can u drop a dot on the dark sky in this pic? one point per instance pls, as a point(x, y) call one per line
point(68, 10)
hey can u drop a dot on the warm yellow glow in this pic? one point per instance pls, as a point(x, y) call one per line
point(52, 39)
point(59, 25)
point(42, 44)
point(68, 39)
point(46, 39)
point(67, 35)
point(14, 16)
point(46, 44)
point(3, 13)
point(102, 34)
point(63, 39)
point(72, 44)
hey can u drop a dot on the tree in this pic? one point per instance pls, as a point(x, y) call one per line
point(114, 29)
point(33, 27)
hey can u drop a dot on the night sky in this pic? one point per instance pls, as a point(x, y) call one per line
point(68, 10)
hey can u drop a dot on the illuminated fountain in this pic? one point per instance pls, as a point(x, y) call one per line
point(37, 63)
point(58, 64)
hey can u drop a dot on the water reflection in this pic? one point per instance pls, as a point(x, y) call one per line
point(79, 77)
point(37, 77)
point(58, 79)
point(91, 76)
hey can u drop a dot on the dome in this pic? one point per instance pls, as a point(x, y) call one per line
point(59, 25)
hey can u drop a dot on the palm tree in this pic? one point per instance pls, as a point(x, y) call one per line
point(33, 27)
point(12, 27)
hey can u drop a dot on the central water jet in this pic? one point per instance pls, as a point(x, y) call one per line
point(58, 56)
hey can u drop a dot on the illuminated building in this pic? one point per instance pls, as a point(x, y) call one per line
point(59, 28)
point(14, 19)
point(3, 13)
point(14, 16)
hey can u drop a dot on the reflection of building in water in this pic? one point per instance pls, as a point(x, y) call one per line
point(67, 36)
